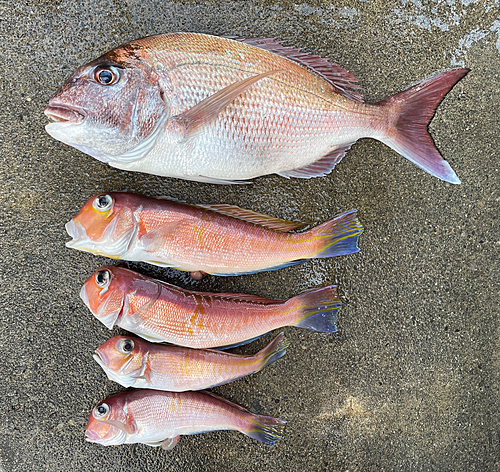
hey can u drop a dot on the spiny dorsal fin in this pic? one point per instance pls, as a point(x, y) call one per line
point(226, 401)
point(251, 216)
point(341, 79)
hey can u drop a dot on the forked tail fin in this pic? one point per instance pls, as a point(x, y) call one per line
point(336, 237)
point(410, 112)
point(265, 429)
point(318, 309)
point(273, 351)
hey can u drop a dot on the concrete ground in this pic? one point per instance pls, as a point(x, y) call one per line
point(410, 381)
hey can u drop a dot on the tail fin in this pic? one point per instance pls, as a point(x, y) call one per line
point(412, 110)
point(337, 237)
point(265, 429)
point(273, 351)
point(318, 309)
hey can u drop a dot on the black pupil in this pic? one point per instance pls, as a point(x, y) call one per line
point(102, 202)
point(101, 277)
point(105, 77)
point(101, 410)
point(127, 346)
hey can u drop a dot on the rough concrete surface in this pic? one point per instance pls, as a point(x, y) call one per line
point(410, 381)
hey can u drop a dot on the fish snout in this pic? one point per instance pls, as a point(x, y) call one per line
point(101, 359)
point(62, 112)
point(84, 296)
point(77, 232)
point(91, 436)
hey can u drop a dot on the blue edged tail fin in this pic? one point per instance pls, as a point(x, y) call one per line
point(265, 429)
point(318, 309)
point(274, 350)
point(338, 236)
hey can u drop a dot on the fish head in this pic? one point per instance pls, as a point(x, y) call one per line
point(105, 295)
point(111, 293)
point(110, 107)
point(109, 422)
point(121, 357)
point(105, 225)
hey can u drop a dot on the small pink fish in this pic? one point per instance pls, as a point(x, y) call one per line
point(215, 239)
point(133, 362)
point(159, 418)
point(160, 312)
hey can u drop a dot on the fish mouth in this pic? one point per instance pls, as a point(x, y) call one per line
point(121, 376)
point(101, 359)
point(65, 114)
point(91, 436)
point(78, 234)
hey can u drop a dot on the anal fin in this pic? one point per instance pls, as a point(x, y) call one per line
point(320, 167)
point(169, 443)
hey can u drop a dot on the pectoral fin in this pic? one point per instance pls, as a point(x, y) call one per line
point(170, 443)
point(204, 112)
point(155, 239)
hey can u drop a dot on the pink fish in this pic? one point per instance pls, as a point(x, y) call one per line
point(159, 418)
point(215, 239)
point(215, 109)
point(160, 312)
point(133, 362)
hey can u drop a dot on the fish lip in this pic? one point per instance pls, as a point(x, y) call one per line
point(91, 436)
point(76, 231)
point(59, 112)
point(102, 360)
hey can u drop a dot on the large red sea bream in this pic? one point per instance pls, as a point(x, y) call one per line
point(215, 109)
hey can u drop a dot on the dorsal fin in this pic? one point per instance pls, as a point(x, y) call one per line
point(245, 297)
point(341, 79)
point(251, 216)
point(254, 217)
point(225, 400)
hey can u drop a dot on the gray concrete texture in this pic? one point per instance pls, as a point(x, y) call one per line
point(410, 381)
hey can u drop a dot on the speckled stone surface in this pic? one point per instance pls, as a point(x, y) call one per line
point(410, 382)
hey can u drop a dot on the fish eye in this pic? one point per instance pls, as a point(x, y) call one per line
point(103, 202)
point(126, 346)
point(101, 410)
point(106, 75)
point(102, 278)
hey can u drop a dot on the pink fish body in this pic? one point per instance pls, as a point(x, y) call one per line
point(133, 362)
point(215, 239)
point(159, 312)
point(217, 109)
point(158, 418)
